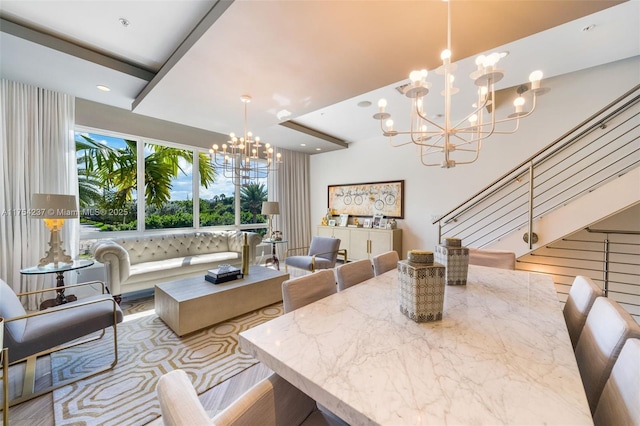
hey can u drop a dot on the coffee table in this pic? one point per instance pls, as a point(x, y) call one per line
point(190, 304)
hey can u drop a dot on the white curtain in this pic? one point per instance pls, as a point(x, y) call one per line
point(37, 155)
point(290, 187)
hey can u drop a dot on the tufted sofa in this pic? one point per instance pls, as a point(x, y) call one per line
point(140, 262)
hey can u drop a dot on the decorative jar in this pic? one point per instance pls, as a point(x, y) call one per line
point(455, 259)
point(421, 287)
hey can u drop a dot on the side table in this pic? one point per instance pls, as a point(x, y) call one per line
point(274, 256)
point(61, 298)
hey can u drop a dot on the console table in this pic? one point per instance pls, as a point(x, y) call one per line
point(364, 243)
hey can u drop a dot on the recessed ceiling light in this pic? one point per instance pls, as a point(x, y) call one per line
point(589, 27)
point(364, 104)
point(318, 149)
point(303, 144)
point(124, 22)
point(103, 88)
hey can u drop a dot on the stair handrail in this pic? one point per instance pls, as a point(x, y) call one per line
point(542, 155)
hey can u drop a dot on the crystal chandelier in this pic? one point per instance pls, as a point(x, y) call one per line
point(460, 142)
point(245, 160)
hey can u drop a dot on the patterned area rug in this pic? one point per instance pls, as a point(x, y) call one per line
point(147, 349)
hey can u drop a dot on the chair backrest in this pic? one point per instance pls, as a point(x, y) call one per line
point(604, 333)
point(179, 403)
point(385, 262)
point(10, 307)
point(620, 400)
point(582, 294)
point(301, 291)
point(353, 273)
point(493, 258)
point(325, 247)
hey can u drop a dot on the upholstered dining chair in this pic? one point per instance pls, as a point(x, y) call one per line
point(582, 294)
point(494, 258)
point(353, 273)
point(29, 336)
point(301, 291)
point(620, 400)
point(271, 402)
point(607, 327)
point(385, 262)
point(323, 254)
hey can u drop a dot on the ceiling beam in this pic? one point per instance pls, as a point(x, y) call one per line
point(315, 133)
point(209, 19)
point(72, 49)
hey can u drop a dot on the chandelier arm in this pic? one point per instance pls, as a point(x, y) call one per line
point(430, 122)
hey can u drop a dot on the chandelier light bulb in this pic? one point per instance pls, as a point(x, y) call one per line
point(389, 124)
point(518, 103)
point(415, 76)
point(382, 103)
point(424, 73)
point(249, 135)
point(278, 156)
point(480, 62)
point(241, 146)
point(423, 128)
point(215, 147)
point(232, 135)
point(224, 146)
point(473, 120)
point(445, 56)
point(535, 78)
point(257, 140)
point(270, 150)
point(267, 145)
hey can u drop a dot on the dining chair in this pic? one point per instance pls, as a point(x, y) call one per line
point(582, 294)
point(385, 262)
point(322, 254)
point(301, 291)
point(620, 400)
point(494, 258)
point(607, 327)
point(28, 336)
point(353, 273)
point(270, 402)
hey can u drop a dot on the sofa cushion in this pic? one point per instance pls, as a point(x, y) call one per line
point(162, 269)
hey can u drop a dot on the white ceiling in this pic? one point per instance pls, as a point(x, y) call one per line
point(316, 59)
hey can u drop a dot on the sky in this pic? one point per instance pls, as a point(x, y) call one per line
point(182, 188)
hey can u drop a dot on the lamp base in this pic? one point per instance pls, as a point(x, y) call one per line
point(56, 254)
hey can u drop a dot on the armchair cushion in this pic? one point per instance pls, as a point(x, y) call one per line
point(10, 307)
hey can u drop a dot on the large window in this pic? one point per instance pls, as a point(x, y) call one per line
point(171, 177)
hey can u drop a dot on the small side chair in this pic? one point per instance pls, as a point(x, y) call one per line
point(582, 294)
point(323, 254)
point(301, 291)
point(28, 336)
point(353, 273)
point(385, 262)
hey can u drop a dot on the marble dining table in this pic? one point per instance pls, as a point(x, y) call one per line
point(500, 355)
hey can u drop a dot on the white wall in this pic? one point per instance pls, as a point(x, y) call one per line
point(432, 191)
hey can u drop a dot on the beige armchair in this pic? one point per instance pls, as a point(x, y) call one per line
point(29, 336)
point(271, 402)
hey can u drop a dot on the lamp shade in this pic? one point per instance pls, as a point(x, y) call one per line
point(270, 207)
point(54, 206)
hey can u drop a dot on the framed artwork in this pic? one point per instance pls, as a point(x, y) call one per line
point(344, 219)
point(366, 223)
point(376, 221)
point(383, 223)
point(368, 199)
point(332, 222)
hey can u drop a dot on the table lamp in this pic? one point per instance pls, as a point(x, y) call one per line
point(269, 208)
point(54, 209)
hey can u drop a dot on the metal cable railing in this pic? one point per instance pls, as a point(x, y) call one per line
point(611, 258)
point(600, 149)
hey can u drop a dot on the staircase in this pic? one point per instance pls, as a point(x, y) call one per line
point(590, 173)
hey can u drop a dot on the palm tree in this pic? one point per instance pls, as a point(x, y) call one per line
point(109, 170)
point(251, 198)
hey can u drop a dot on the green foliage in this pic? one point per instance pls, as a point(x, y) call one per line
point(251, 198)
